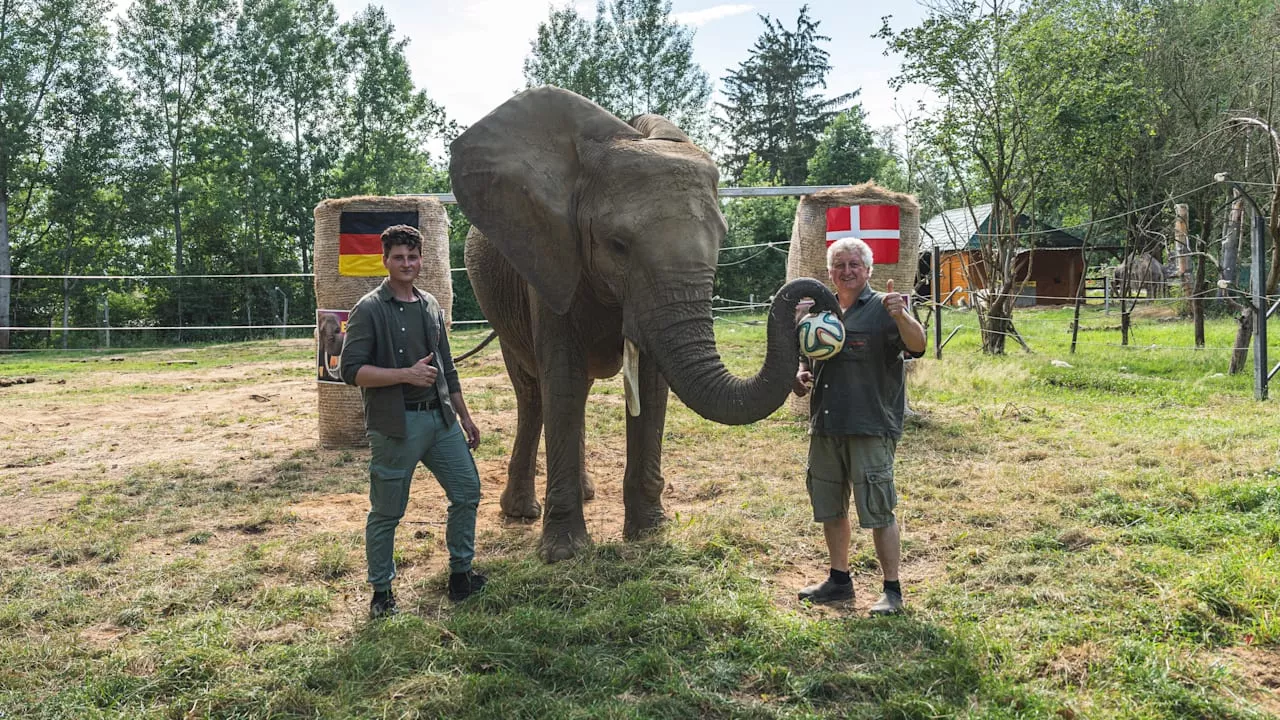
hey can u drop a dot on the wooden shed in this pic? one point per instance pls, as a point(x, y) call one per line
point(1054, 257)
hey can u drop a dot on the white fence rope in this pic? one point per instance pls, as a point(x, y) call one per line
point(727, 306)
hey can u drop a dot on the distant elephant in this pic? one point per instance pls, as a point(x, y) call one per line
point(1147, 274)
point(594, 248)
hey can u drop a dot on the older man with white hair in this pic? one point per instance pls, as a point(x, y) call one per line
point(855, 421)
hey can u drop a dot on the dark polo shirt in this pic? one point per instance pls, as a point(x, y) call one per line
point(378, 334)
point(860, 391)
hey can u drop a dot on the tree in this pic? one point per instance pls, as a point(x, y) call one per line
point(983, 131)
point(633, 59)
point(846, 153)
point(387, 121)
point(168, 48)
point(38, 41)
point(773, 106)
point(570, 53)
point(760, 226)
point(81, 202)
point(1095, 118)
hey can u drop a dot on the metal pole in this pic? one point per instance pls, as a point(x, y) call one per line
point(1258, 284)
point(936, 284)
point(284, 317)
point(1106, 293)
point(106, 317)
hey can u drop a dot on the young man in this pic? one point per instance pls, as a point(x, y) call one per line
point(397, 352)
point(855, 420)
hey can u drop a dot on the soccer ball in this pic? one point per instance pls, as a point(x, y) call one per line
point(821, 335)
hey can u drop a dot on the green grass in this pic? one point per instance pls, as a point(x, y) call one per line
point(1090, 541)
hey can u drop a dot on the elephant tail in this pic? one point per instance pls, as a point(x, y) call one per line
point(492, 334)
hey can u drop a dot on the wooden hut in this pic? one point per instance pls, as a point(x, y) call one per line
point(1049, 265)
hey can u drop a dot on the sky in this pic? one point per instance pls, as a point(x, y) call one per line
point(469, 54)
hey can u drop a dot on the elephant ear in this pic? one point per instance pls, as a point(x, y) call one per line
point(515, 175)
point(657, 127)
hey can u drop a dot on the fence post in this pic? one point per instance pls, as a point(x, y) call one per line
point(106, 317)
point(1106, 294)
point(936, 285)
point(1258, 284)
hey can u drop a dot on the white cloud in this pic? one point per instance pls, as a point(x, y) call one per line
point(698, 18)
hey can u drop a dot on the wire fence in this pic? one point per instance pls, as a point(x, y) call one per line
point(126, 312)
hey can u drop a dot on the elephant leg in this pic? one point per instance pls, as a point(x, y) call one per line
point(588, 483)
point(643, 483)
point(564, 385)
point(519, 499)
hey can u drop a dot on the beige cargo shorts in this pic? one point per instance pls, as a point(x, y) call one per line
point(860, 465)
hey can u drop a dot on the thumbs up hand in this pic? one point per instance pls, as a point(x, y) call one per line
point(894, 303)
point(423, 373)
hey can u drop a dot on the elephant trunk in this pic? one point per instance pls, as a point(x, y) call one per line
point(680, 335)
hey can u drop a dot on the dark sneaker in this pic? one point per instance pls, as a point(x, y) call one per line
point(383, 605)
point(465, 584)
point(890, 603)
point(827, 592)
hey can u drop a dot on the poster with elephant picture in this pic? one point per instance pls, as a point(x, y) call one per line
point(331, 330)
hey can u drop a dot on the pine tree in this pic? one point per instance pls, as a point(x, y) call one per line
point(774, 108)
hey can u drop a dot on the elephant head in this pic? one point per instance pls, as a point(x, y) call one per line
point(588, 208)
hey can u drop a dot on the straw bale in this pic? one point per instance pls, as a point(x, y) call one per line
point(808, 254)
point(340, 408)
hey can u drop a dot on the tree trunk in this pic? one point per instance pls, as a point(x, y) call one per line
point(1182, 231)
point(1126, 305)
point(1231, 243)
point(1197, 304)
point(1244, 335)
point(997, 324)
point(175, 188)
point(66, 310)
point(5, 269)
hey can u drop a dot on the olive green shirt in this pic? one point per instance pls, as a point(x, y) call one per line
point(861, 391)
point(377, 335)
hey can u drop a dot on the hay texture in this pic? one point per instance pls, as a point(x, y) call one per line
point(808, 254)
point(340, 408)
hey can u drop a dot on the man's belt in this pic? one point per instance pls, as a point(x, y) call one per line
point(431, 404)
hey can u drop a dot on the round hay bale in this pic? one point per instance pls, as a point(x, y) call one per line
point(345, 272)
point(808, 254)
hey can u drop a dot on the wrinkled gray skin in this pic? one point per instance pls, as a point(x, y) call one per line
point(1147, 273)
point(587, 231)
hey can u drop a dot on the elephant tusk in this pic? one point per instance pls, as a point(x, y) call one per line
point(630, 371)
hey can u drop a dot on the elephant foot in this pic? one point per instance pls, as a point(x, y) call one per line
point(520, 505)
point(641, 524)
point(588, 487)
point(562, 545)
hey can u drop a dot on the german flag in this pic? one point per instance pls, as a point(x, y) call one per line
point(360, 240)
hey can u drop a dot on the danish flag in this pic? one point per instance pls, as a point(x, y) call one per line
point(876, 225)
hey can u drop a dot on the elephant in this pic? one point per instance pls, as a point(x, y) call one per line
point(594, 248)
point(1147, 274)
point(329, 336)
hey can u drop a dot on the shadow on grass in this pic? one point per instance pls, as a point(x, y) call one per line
point(647, 630)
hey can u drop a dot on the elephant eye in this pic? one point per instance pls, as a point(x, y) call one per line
point(618, 245)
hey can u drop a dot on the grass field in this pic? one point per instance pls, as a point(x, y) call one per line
point(1093, 541)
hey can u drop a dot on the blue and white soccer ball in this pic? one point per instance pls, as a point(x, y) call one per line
point(821, 335)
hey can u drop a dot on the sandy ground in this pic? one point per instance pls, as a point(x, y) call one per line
point(238, 424)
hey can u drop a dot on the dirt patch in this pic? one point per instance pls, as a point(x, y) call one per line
point(34, 509)
point(1259, 667)
point(103, 637)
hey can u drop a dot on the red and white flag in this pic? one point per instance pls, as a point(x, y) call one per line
point(876, 225)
